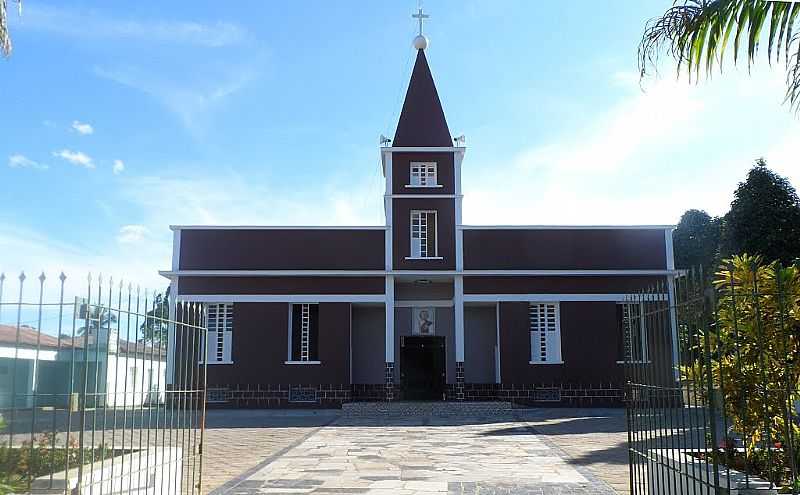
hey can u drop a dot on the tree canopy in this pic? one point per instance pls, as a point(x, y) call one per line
point(764, 219)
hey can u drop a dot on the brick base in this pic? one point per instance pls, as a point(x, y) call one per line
point(333, 396)
point(278, 396)
point(542, 395)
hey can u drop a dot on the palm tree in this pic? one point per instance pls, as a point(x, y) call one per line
point(696, 34)
point(95, 318)
point(5, 37)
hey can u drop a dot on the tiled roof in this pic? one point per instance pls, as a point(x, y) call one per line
point(28, 338)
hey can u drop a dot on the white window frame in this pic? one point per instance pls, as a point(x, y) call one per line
point(418, 255)
point(423, 174)
point(642, 327)
point(303, 361)
point(220, 341)
point(548, 340)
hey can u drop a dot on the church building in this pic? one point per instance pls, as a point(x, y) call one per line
point(423, 307)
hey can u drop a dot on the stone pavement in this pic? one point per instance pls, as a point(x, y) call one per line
point(237, 441)
point(417, 456)
point(596, 439)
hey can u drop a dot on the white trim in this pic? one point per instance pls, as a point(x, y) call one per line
point(537, 363)
point(388, 211)
point(8, 351)
point(497, 374)
point(289, 330)
point(441, 303)
point(458, 310)
point(566, 227)
point(389, 313)
point(174, 291)
point(673, 323)
point(412, 196)
point(424, 257)
point(284, 298)
point(411, 186)
point(634, 362)
point(413, 149)
point(302, 362)
point(212, 363)
point(558, 297)
point(458, 158)
point(381, 273)
point(669, 250)
point(276, 227)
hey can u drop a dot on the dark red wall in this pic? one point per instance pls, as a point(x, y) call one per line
point(401, 220)
point(281, 285)
point(270, 249)
point(260, 341)
point(401, 173)
point(557, 249)
point(589, 346)
point(560, 285)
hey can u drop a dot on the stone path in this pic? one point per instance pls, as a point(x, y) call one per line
point(421, 456)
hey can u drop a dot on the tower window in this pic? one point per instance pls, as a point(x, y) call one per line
point(423, 234)
point(423, 174)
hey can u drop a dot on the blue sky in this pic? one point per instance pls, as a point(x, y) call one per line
point(119, 121)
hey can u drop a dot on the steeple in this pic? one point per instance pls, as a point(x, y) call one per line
point(422, 121)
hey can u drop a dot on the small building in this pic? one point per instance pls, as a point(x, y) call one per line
point(35, 368)
point(422, 307)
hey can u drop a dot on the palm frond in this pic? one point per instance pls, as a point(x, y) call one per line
point(5, 39)
point(5, 36)
point(696, 34)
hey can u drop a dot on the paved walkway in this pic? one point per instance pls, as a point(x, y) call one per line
point(519, 454)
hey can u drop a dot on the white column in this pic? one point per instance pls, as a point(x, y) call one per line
point(459, 157)
point(458, 308)
point(673, 317)
point(173, 295)
point(389, 318)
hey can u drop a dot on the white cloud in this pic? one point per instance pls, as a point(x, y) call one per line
point(119, 167)
point(644, 160)
point(22, 161)
point(192, 101)
point(131, 234)
point(75, 23)
point(82, 128)
point(76, 158)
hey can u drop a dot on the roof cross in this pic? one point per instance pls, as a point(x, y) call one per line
point(421, 16)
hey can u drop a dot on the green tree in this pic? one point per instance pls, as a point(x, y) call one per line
point(764, 217)
point(696, 240)
point(5, 37)
point(697, 33)
point(95, 317)
point(155, 328)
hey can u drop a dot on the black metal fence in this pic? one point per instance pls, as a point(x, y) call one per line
point(712, 367)
point(101, 391)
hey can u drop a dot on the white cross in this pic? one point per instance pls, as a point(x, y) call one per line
point(421, 16)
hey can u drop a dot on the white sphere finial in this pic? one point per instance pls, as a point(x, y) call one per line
point(420, 42)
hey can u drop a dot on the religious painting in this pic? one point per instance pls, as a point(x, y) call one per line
point(423, 321)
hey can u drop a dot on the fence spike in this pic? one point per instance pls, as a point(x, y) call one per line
point(42, 278)
point(22, 277)
point(62, 277)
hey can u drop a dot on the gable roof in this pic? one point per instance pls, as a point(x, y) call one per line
point(422, 121)
point(27, 337)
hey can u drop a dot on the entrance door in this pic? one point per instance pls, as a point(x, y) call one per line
point(422, 367)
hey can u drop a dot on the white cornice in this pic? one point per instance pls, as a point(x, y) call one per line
point(421, 273)
point(566, 227)
point(277, 227)
point(423, 149)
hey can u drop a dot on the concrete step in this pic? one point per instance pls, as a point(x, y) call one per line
point(422, 408)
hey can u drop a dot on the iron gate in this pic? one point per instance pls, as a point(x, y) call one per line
point(712, 365)
point(102, 390)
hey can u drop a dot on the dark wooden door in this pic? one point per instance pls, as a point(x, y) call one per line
point(422, 368)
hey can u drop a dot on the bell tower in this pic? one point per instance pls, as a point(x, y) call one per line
point(422, 200)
